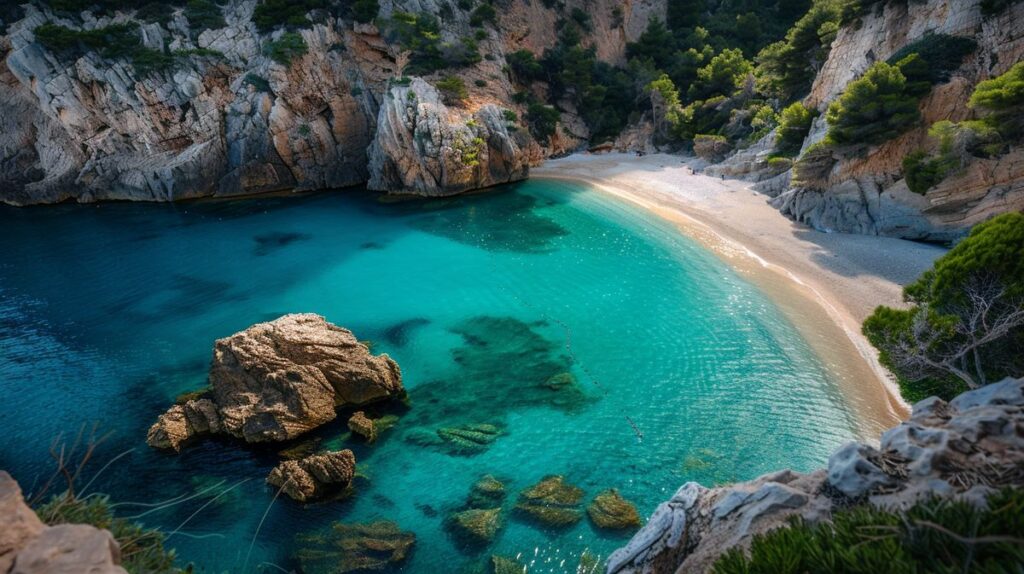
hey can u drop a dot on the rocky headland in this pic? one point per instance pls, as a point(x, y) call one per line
point(966, 449)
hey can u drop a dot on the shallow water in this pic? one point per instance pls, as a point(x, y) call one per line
point(684, 371)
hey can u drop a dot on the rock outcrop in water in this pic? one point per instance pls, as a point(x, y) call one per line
point(966, 448)
point(314, 476)
point(361, 547)
point(277, 380)
point(27, 546)
point(552, 501)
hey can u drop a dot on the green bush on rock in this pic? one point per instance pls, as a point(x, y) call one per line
point(286, 48)
point(966, 323)
point(794, 125)
point(932, 536)
point(873, 108)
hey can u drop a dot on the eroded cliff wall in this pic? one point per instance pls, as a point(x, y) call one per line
point(229, 120)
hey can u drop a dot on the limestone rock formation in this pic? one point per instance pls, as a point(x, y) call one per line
point(610, 510)
point(275, 381)
point(866, 193)
point(228, 119)
point(27, 546)
point(314, 476)
point(476, 525)
point(361, 547)
point(488, 492)
point(424, 147)
point(966, 448)
point(360, 424)
point(467, 439)
point(552, 501)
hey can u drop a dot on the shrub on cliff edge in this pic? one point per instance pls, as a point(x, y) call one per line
point(932, 536)
point(965, 327)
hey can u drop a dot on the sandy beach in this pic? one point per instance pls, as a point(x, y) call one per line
point(826, 284)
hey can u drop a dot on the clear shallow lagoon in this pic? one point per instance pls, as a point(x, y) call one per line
point(107, 312)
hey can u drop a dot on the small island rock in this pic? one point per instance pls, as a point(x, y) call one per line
point(275, 381)
point(552, 501)
point(610, 510)
point(477, 526)
point(314, 476)
point(360, 424)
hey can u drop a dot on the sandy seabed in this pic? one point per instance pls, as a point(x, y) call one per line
point(825, 283)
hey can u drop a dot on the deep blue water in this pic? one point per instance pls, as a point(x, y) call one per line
point(108, 311)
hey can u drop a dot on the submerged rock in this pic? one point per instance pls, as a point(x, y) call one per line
point(610, 510)
point(277, 380)
point(301, 449)
point(552, 501)
point(360, 424)
point(314, 476)
point(357, 547)
point(476, 525)
point(488, 492)
point(467, 439)
point(502, 565)
point(964, 449)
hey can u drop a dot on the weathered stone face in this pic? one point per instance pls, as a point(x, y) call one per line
point(27, 546)
point(277, 380)
point(314, 476)
point(967, 448)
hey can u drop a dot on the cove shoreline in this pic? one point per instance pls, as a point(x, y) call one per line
point(844, 277)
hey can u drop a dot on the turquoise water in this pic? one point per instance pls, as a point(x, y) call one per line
point(685, 371)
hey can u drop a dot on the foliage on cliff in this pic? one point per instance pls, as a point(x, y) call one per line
point(932, 536)
point(142, 549)
point(965, 326)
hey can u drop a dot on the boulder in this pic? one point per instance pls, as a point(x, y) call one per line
point(315, 476)
point(360, 547)
point(552, 501)
point(476, 525)
point(360, 424)
point(963, 449)
point(27, 546)
point(502, 565)
point(488, 492)
point(275, 381)
point(467, 439)
point(610, 510)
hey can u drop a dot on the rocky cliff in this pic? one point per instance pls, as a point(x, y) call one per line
point(228, 118)
point(965, 449)
point(866, 192)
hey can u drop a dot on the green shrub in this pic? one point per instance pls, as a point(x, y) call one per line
point(524, 66)
point(509, 116)
point(814, 165)
point(921, 172)
point(794, 125)
point(204, 15)
point(1002, 99)
point(365, 10)
point(786, 68)
point(469, 151)
point(286, 48)
point(940, 55)
point(939, 536)
point(259, 82)
point(483, 14)
point(142, 549)
point(271, 14)
point(543, 120)
point(158, 12)
point(710, 147)
point(780, 164)
point(963, 328)
point(453, 89)
point(873, 109)
point(421, 35)
point(724, 74)
point(114, 41)
point(147, 60)
point(993, 7)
